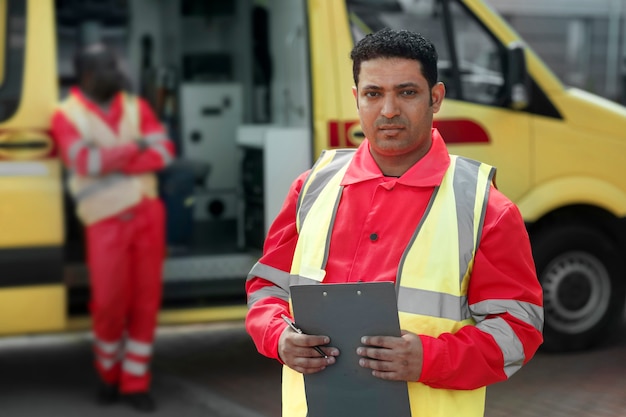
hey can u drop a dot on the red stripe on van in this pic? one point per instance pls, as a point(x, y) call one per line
point(461, 131)
point(340, 134)
point(333, 134)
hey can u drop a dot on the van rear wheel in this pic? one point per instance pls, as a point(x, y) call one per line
point(584, 289)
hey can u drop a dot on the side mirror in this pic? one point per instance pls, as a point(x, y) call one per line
point(517, 81)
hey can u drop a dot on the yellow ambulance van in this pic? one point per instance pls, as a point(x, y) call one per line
point(252, 91)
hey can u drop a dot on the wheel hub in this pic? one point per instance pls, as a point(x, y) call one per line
point(577, 290)
point(574, 291)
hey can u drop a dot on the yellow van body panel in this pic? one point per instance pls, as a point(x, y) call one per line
point(30, 204)
point(509, 134)
point(321, 36)
point(580, 159)
point(604, 120)
point(561, 192)
point(32, 309)
point(31, 208)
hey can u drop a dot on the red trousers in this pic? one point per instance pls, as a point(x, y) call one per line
point(125, 259)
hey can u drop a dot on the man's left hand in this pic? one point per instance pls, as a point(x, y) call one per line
point(143, 144)
point(392, 358)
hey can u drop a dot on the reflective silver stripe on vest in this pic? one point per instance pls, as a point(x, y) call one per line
point(464, 184)
point(434, 304)
point(99, 185)
point(464, 192)
point(138, 348)
point(492, 173)
point(340, 158)
point(74, 150)
point(135, 367)
point(94, 161)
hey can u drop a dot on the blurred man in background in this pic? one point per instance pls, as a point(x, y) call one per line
point(112, 144)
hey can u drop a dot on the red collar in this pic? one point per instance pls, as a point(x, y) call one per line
point(427, 172)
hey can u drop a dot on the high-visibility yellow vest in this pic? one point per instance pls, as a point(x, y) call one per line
point(101, 196)
point(433, 275)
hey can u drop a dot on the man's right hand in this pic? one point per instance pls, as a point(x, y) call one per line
point(296, 351)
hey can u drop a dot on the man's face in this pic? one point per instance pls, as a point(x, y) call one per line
point(396, 107)
point(106, 79)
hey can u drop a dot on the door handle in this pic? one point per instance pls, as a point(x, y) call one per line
point(211, 111)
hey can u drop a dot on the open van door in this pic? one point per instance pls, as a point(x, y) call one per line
point(32, 294)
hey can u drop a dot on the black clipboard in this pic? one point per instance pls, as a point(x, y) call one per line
point(345, 313)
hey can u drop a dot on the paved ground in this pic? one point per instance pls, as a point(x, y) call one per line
point(214, 371)
point(52, 376)
point(587, 384)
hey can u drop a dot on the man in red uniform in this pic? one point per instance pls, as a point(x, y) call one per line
point(112, 145)
point(403, 210)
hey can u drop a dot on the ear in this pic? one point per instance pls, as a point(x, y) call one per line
point(355, 93)
point(437, 93)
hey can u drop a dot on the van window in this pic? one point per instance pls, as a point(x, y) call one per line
point(464, 46)
point(12, 37)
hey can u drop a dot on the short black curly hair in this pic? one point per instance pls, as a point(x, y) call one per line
point(388, 43)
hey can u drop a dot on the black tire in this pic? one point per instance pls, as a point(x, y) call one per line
point(584, 287)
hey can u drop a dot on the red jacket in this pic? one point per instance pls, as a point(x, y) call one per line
point(372, 203)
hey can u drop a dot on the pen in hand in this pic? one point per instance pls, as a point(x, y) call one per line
point(297, 330)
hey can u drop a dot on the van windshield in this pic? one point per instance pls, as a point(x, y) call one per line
point(479, 56)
